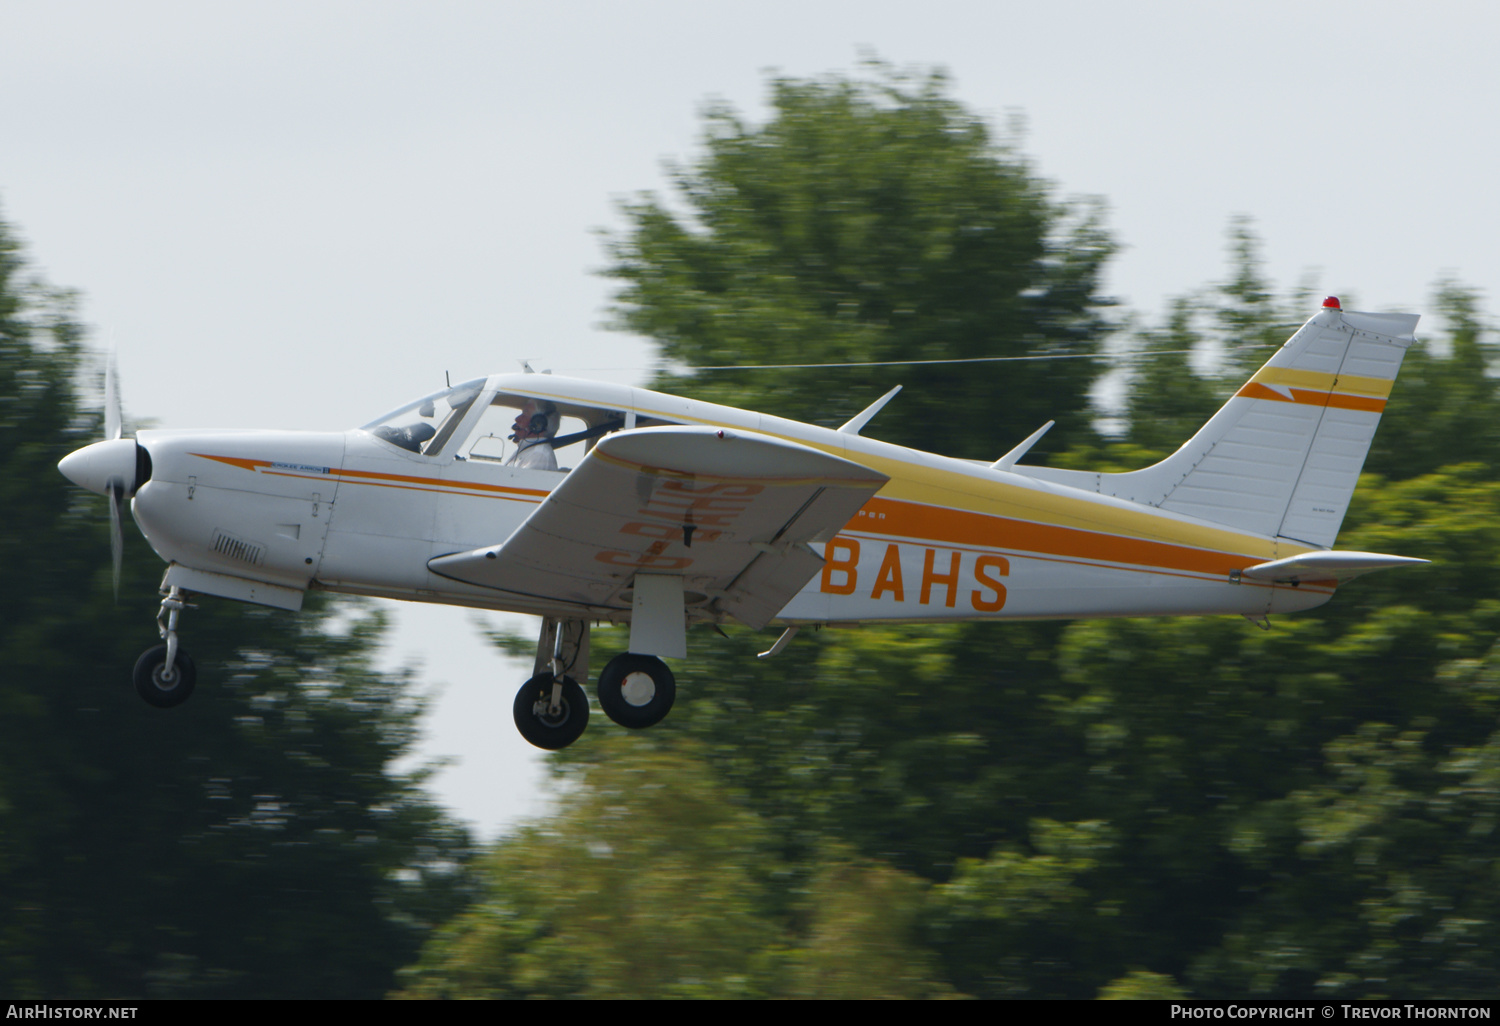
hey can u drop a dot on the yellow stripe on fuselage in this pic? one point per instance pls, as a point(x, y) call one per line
point(1089, 523)
point(1092, 525)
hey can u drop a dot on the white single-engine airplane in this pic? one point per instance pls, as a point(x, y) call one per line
point(677, 512)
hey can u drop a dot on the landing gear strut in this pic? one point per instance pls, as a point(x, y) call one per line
point(551, 710)
point(164, 675)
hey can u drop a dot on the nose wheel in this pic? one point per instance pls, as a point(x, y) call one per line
point(161, 684)
point(164, 675)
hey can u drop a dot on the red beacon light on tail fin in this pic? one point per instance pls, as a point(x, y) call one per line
point(1332, 303)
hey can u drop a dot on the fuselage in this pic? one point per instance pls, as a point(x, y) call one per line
point(357, 512)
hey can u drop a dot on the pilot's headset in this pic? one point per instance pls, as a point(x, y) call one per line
point(545, 421)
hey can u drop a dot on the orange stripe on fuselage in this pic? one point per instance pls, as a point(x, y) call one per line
point(233, 461)
point(371, 477)
point(933, 525)
point(939, 525)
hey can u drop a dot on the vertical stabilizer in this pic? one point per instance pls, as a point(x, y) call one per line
point(1282, 457)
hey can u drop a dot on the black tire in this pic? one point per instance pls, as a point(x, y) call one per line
point(153, 684)
point(636, 691)
point(540, 729)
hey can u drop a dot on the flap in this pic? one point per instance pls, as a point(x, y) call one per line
point(1326, 566)
point(730, 511)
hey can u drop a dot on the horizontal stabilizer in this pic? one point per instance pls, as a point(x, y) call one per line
point(1326, 566)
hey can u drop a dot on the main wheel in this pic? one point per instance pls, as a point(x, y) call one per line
point(159, 685)
point(542, 729)
point(636, 691)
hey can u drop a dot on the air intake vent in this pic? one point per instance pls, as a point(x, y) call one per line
point(229, 545)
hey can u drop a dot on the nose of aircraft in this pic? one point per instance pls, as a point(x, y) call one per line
point(98, 466)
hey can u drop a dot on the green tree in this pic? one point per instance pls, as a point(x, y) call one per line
point(254, 842)
point(1173, 805)
point(1124, 808)
point(1442, 409)
point(1439, 413)
point(653, 879)
point(870, 220)
point(1168, 400)
point(1232, 327)
point(1285, 801)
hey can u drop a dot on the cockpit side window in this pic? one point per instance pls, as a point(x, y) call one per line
point(522, 431)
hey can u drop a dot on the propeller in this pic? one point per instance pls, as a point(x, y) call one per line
point(113, 427)
point(115, 467)
point(112, 419)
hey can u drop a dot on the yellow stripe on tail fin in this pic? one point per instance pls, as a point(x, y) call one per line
point(1282, 457)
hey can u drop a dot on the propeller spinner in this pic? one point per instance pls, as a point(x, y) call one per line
point(115, 467)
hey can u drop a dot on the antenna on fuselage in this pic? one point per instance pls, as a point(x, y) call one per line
point(1008, 461)
point(853, 426)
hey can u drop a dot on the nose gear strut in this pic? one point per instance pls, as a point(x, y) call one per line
point(164, 675)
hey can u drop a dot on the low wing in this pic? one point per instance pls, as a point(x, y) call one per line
point(731, 512)
point(1326, 566)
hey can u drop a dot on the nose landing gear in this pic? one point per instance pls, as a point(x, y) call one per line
point(164, 675)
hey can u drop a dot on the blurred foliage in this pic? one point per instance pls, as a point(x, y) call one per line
point(1442, 410)
point(870, 219)
point(1140, 985)
point(1177, 375)
point(1122, 808)
point(654, 880)
point(1115, 809)
point(252, 843)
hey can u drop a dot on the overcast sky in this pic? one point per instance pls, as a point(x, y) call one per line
point(301, 214)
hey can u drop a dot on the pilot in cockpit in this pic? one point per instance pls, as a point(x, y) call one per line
point(532, 432)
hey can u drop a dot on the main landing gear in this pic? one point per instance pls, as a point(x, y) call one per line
point(551, 712)
point(164, 675)
point(551, 709)
point(636, 691)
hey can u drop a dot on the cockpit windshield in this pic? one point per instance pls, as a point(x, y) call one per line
point(425, 425)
